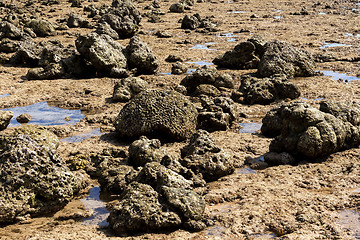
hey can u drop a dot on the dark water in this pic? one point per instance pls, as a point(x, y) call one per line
point(43, 114)
point(93, 202)
point(250, 127)
point(337, 76)
point(81, 137)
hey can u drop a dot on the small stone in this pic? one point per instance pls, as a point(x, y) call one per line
point(24, 118)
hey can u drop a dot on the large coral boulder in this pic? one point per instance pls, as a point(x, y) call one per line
point(304, 131)
point(141, 57)
point(266, 90)
point(102, 51)
point(282, 58)
point(123, 17)
point(157, 111)
point(203, 157)
point(34, 180)
point(140, 210)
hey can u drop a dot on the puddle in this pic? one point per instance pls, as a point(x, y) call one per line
point(191, 70)
point(250, 127)
point(322, 13)
point(277, 10)
point(93, 202)
point(5, 95)
point(230, 36)
point(315, 99)
point(81, 137)
point(338, 76)
point(43, 114)
point(350, 219)
point(352, 35)
point(204, 46)
point(216, 231)
point(201, 63)
point(168, 73)
point(229, 12)
point(331, 45)
point(263, 235)
point(247, 170)
point(278, 17)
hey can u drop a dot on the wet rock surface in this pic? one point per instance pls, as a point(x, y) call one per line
point(34, 180)
point(166, 112)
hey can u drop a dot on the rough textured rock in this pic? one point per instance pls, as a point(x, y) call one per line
point(33, 178)
point(24, 118)
point(42, 28)
point(191, 22)
point(202, 156)
point(302, 130)
point(123, 17)
point(157, 111)
point(49, 72)
point(127, 88)
point(282, 58)
point(75, 21)
point(208, 90)
point(141, 57)
point(28, 54)
point(266, 90)
point(207, 75)
point(8, 45)
point(177, 8)
point(144, 150)
point(140, 210)
point(9, 30)
point(217, 114)
point(245, 55)
point(178, 68)
point(102, 51)
point(5, 118)
point(105, 28)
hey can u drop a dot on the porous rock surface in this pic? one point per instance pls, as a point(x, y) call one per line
point(203, 157)
point(207, 75)
point(102, 51)
point(245, 55)
point(34, 180)
point(257, 90)
point(282, 58)
point(141, 57)
point(217, 114)
point(5, 118)
point(302, 130)
point(127, 88)
point(162, 111)
point(123, 17)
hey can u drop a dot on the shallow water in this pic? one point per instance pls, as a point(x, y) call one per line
point(229, 12)
point(322, 13)
point(250, 127)
point(191, 70)
point(315, 99)
point(204, 46)
point(168, 73)
point(331, 45)
point(43, 114)
point(337, 76)
point(81, 137)
point(5, 95)
point(263, 235)
point(93, 202)
point(247, 170)
point(201, 63)
point(278, 17)
point(352, 35)
point(216, 231)
point(350, 219)
point(231, 36)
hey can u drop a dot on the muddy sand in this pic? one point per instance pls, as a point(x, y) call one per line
point(316, 199)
